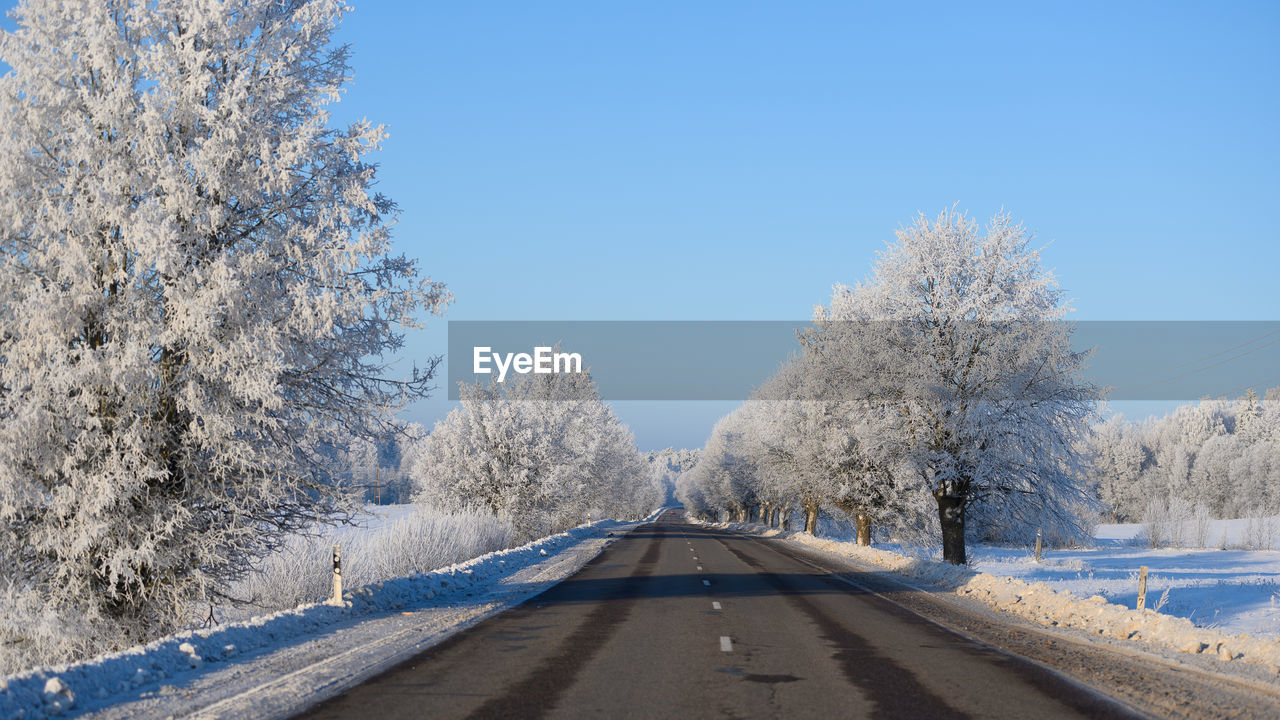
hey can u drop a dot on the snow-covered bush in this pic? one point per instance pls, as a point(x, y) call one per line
point(1260, 532)
point(418, 542)
point(539, 450)
point(33, 632)
point(1201, 519)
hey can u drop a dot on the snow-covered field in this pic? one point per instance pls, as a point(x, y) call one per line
point(1232, 590)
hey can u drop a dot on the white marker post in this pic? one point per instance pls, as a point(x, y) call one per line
point(337, 576)
point(1039, 544)
point(1142, 587)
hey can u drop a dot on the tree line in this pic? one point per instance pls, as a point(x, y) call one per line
point(1222, 456)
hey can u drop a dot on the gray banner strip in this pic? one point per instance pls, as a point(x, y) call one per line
point(727, 360)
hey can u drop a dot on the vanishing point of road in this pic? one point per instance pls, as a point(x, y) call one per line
point(677, 620)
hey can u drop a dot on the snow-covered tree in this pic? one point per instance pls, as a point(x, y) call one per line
point(726, 478)
point(360, 458)
point(540, 450)
point(197, 287)
point(961, 332)
point(666, 465)
point(1209, 454)
point(1118, 461)
point(1248, 413)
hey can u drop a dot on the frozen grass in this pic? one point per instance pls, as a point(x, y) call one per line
point(374, 625)
point(393, 541)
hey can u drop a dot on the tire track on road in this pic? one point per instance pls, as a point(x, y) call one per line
point(543, 687)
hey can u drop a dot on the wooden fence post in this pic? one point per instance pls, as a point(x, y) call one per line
point(1142, 587)
point(1039, 544)
point(337, 576)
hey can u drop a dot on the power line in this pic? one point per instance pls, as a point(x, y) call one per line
point(1206, 367)
point(1264, 384)
point(1202, 359)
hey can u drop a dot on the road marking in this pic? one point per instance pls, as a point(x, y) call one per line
point(707, 583)
point(699, 567)
point(726, 645)
point(715, 605)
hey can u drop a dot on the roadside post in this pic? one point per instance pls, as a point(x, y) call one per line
point(1142, 587)
point(337, 576)
point(1039, 544)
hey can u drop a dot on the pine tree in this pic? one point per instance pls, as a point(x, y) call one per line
point(1247, 414)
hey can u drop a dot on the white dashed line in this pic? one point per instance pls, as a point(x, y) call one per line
point(726, 645)
point(715, 606)
point(707, 583)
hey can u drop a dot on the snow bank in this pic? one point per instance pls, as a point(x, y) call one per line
point(56, 690)
point(1231, 591)
point(1042, 604)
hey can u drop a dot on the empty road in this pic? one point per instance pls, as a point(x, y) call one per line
point(681, 621)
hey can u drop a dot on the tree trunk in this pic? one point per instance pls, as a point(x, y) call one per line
point(864, 528)
point(811, 518)
point(785, 520)
point(764, 514)
point(773, 518)
point(951, 517)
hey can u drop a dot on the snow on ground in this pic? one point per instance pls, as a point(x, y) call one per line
point(1235, 591)
point(277, 664)
point(1067, 590)
point(376, 517)
point(1224, 587)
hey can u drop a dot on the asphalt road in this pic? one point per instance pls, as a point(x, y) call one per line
point(679, 621)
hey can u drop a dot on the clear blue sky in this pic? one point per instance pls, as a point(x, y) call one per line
point(732, 160)
point(674, 160)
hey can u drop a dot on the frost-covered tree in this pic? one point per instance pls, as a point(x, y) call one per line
point(961, 332)
point(1247, 416)
point(1118, 461)
point(360, 458)
point(851, 437)
point(726, 478)
point(666, 465)
point(1196, 455)
point(540, 450)
point(197, 287)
